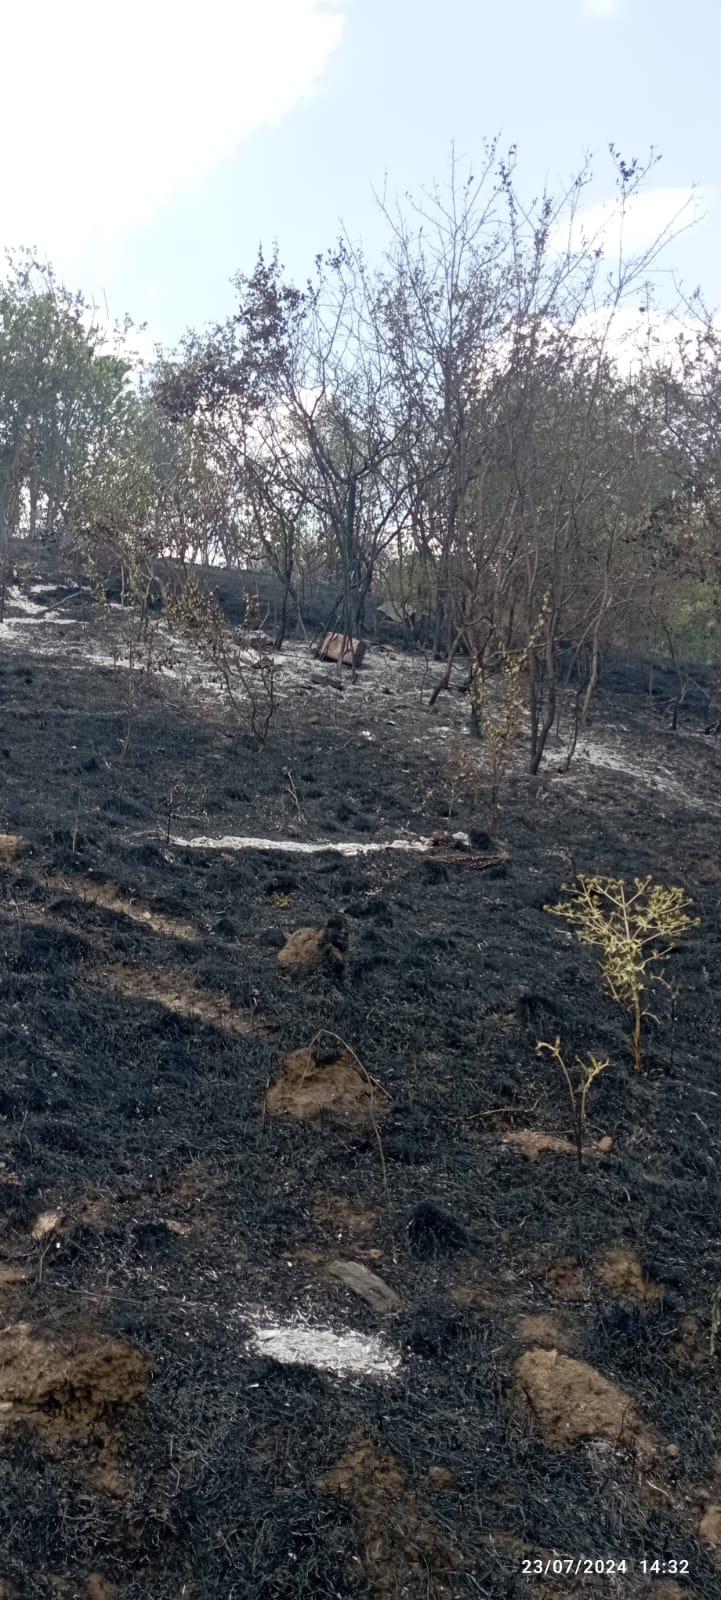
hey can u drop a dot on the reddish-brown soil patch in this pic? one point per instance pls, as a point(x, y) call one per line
point(306, 1090)
point(400, 1549)
point(565, 1279)
point(691, 1345)
point(66, 1385)
point(344, 1217)
point(620, 1272)
point(570, 1401)
point(542, 1329)
point(183, 998)
point(111, 898)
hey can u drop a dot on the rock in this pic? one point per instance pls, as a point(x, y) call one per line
point(340, 647)
point(605, 1145)
point(367, 1284)
point(306, 1089)
point(570, 1401)
point(532, 1143)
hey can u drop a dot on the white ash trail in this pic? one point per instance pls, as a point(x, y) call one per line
point(314, 847)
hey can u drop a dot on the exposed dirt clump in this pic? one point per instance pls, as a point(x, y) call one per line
point(98, 1588)
point(541, 1328)
point(10, 1276)
point(46, 1224)
point(308, 949)
point(620, 1272)
point(571, 1401)
point(690, 1348)
point(12, 845)
point(306, 1089)
point(400, 1549)
point(709, 1528)
point(566, 1280)
point(68, 1384)
point(345, 1217)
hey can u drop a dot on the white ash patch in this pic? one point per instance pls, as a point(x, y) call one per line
point(312, 847)
point(20, 601)
point(347, 1354)
point(617, 757)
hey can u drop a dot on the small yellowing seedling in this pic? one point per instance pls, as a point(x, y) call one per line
point(585, 1070)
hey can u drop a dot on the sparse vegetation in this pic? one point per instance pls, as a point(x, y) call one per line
point(585, 1069)
point(634, 929)
point(265, 1291)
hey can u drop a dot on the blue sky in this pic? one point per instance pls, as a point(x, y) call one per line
point(164, 142)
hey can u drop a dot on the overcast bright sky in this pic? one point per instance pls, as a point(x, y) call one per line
point(149, 147)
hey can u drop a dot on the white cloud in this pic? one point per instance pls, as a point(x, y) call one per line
point(108, 110)
point(647, 215)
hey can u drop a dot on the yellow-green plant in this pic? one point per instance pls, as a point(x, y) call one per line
point(587, 1068)
point(634, 929)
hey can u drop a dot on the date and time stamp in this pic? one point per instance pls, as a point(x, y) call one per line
point(605, 1567)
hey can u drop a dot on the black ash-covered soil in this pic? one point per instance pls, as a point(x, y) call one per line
point(147, 1197)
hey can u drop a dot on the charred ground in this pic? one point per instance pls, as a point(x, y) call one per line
point(152, 1214)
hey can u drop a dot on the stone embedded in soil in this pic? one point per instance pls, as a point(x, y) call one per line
point(72, 1380)
point(532, 1143)
point(570, 1402)
point(361, 1281)
point(305, 1090)
point(307, 949)
point(620, 1272)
